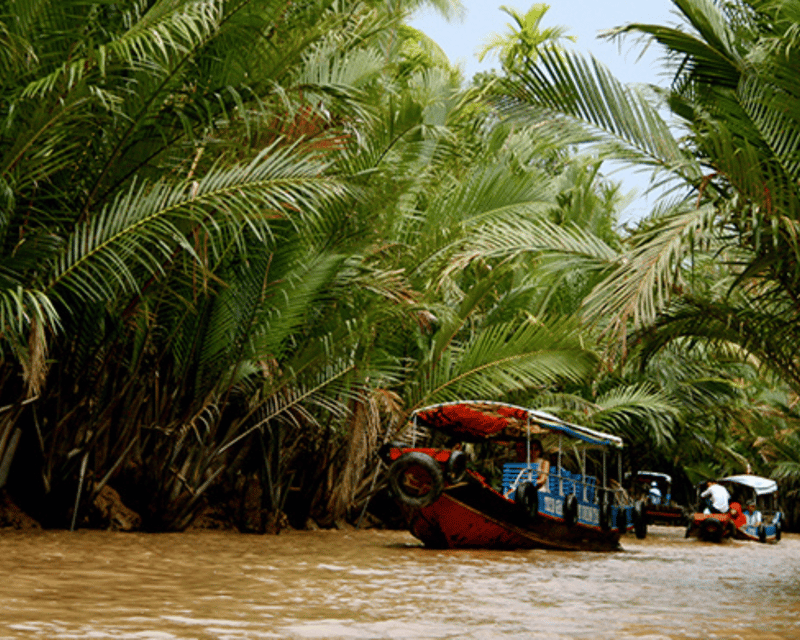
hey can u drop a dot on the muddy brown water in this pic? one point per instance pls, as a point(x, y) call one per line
point(370, 585)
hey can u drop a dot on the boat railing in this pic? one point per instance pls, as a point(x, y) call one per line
point(515, 473)
point(560, 482)
point(615, 495)
point(563, 482)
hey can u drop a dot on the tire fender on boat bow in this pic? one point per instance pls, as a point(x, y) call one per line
point(456, 466)
point(712, 529)
point(416, 479)
point(570, 510)
point(527, 497)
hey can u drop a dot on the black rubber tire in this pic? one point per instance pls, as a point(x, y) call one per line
point(711, 530)
point(527, 497)
point(621, 521)
point(762, 533)
point(456, 467)
point(777, 531)
point(605, 516)
point(639, 521)
point(570, 510)
point(425, 465)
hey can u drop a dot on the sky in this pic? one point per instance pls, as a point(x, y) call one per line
point(584, 19)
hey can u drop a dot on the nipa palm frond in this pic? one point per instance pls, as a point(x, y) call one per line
point(167, 30)
point(539, 236)
point(639, 412)
point(500, 359)
point(645, 281)
point(565, 84)
point(145, 226)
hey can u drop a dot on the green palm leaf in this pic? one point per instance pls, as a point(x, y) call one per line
point(643, 285)
point(564, 84)
point(639, 413)
point(143, 228)
point(167, 29)
point(503, 359)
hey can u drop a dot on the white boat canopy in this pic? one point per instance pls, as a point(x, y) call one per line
point(761, 486)
point(649, 475)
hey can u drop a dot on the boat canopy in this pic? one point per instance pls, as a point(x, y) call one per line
point(761, 486)
point(646, 476)
point(475, 420)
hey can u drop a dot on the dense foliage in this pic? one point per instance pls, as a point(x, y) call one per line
point(712, 274)
point(241, 240)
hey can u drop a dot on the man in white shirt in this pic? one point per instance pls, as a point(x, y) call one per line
point(718, 497)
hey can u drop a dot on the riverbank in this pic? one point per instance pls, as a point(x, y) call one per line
point(107, 512)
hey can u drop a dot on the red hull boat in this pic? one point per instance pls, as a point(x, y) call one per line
point(448, 505)
point(738, 522)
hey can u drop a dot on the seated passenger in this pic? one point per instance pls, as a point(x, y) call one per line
point(737, 514)
point(655, 493)
point(752, 514)
point(537, 458)
point(537, 455)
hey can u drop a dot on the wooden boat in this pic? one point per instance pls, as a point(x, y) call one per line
point(452, 499)
point(743, 489)
point(762, 493)
point(658, 508)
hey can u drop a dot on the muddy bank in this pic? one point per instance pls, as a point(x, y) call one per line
point(106, 511)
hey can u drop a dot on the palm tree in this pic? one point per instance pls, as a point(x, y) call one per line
point(523, 41)
point(156, 173)
point(196, 285)
point(717, 261)
point(730, 91)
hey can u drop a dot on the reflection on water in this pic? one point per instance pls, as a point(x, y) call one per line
point(373, 585)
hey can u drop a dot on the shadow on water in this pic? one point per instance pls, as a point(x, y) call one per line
point(377, 584)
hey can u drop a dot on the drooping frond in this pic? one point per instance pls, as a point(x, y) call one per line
point(765, 337)
point(169, 28)
point(645, 282)
point(145, 226)
point(538, 236)
point(567, 85)
point(26, 319)
point(487, 195)
point(508, 357)
point(639, 413)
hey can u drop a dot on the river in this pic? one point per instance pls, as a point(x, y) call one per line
point(371, 585)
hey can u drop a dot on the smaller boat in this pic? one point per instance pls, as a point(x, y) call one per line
point(654, 488)
point(754, 507)
point(457, 488)
point(759, 519)
point(711, 527)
